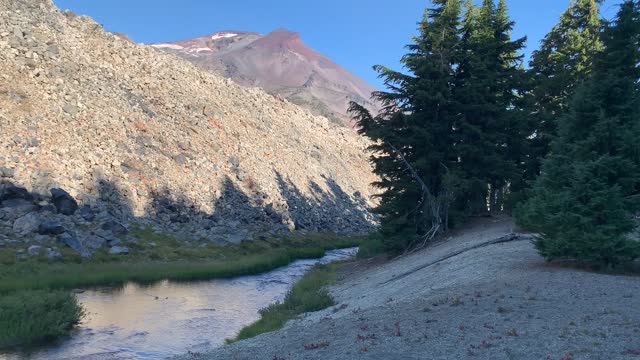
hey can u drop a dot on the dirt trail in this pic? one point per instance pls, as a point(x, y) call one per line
point(482, 294)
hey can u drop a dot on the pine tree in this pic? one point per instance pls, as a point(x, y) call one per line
point(588, 194)
point(563, 62)
point(413, 147)
point(488, 134)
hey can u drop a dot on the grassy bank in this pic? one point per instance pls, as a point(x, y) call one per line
point(34, 305)
point(37, 315)
point(307, 295)
point(167, 259)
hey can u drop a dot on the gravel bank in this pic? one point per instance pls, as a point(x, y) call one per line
point(490, 301)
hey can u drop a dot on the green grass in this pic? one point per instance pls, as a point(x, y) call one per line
point(168, 259)
point(33, 316)
point(307, 295)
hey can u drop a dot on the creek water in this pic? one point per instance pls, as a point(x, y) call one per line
point(171, 318)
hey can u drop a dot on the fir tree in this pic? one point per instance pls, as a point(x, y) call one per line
point(487, 90)
point(588, 194)
point(563, 62)
point(413, 147)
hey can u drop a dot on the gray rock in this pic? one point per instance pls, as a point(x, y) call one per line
point(114, 242)
point(114, 228)
point(5, 172)
point(51, 228)
point(86, 213)
point(53, 253)
point(34, 250)
point(93, 242)
point(291, 225)
point(64, 203)
point(10, 191)
point(26, 224)
point(71, 240)
point(119, 250)
point(53, 50)
point(181, 159)
point(42, 239)
point(70, 109)
point(18, 207)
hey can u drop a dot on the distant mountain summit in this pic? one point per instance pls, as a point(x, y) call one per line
point(280, 63)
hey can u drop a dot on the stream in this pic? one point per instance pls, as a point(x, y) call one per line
point(171, 318)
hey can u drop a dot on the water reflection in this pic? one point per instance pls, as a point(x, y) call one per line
point(168, 318)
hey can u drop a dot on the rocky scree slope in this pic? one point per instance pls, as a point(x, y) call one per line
point(281, 63)
point(127, 134)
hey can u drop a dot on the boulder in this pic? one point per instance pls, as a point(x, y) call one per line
point(93, 242)
point(119, 250)
point(64, 203)
point(115, 228)
point(10, 191)
point(26, 224)
point(71, 240)
point(17, 207)
point(86, 213)
point(114, 242)
point(53, 253)
point(34, 250)
point(6, 172)
point(50, 228)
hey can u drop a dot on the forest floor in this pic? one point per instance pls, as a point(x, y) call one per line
point(483, 293)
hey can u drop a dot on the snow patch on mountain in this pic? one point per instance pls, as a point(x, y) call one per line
point(218, 36)
point(168, 46)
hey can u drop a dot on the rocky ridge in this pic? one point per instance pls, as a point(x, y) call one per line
point(99, 133)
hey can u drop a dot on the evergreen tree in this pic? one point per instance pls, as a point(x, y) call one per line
point(413, 147)
point(488, 134)
point(562, 63)
point(588, 194)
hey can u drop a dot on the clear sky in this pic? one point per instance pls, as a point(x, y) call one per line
point(355, 33)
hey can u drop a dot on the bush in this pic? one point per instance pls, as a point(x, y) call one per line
point(371, 247)
point(38, 315)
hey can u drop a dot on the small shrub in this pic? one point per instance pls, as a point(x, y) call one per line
point(38, 315)
point(457, 302)
point(371, 247)
point(512, 332)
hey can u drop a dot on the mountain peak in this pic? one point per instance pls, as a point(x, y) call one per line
point(285, 33)
point(281, 63)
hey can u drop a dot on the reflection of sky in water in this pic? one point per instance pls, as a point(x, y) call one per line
point(168, 318)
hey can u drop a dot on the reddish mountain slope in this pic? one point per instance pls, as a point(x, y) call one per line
point(280, 63)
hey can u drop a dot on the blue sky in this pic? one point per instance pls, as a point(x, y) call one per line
point(355, 33)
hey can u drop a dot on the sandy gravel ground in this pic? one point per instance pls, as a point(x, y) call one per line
point(466, 298)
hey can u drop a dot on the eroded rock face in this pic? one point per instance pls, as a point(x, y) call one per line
point(132, 135)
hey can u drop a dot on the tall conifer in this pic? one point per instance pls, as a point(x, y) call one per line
point(588, 194)
point(413, 147)
point(563, 62)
